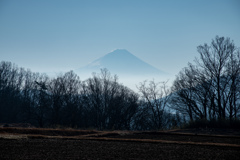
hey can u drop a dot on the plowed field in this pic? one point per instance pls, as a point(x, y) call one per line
point(23, 143)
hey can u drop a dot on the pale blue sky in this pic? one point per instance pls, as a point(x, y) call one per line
point(59, 35)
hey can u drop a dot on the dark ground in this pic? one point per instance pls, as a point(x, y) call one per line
point(116, 145)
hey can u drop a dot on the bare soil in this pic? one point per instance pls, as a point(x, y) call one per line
point(34, 143)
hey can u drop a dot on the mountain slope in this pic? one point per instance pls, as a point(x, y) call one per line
point(122, 62)
point(130, 69)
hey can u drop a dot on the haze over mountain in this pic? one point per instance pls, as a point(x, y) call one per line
point(130, 69)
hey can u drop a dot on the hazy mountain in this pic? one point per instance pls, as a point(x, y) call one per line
point(123, 63)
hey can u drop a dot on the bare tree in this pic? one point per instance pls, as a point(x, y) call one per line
point(214, 60)
point(192, 94)
point(109, 104)
point(154, 100)
point(233, 74)
point(57, 91)
point(209, 89)
point(73, 108)
point(42, 100)
point(11, 80)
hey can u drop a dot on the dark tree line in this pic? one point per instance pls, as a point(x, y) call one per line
point(99, 102)
point(207, 90)
point(210, 88)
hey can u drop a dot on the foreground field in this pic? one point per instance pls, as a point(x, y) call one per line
point(19, 143)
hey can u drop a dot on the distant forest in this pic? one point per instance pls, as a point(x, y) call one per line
point(206, 93)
